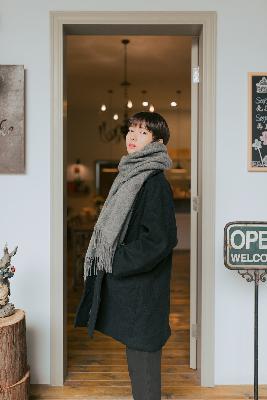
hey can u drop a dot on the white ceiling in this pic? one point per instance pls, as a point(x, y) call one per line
point(158, 64)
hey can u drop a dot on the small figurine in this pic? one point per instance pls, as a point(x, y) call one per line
point(6, 272)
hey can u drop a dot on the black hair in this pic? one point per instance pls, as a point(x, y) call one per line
point(153, 122)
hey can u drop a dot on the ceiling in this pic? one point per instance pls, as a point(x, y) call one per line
point(158, 64)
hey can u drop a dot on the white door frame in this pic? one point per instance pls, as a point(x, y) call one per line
point(194, 212)
point(187, 22)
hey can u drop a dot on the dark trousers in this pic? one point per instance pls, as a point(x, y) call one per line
point(145, 373)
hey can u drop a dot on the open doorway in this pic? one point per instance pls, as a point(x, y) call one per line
point(157, 73)
point(59, 31)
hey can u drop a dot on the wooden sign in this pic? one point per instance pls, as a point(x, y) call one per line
point(257, 121)
point(245, 245)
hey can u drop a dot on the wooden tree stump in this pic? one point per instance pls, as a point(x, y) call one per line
point(14, 370)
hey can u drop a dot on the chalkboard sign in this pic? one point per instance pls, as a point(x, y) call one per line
point(257, 121)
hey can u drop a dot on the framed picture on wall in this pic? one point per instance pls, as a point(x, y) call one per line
point(257, 121)
point(12, 119)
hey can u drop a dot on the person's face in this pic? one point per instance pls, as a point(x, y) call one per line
point(137, 137)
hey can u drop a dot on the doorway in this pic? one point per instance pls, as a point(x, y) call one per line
point(200, 25)
point(158, 72)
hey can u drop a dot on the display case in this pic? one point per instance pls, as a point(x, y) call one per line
point(179, 177)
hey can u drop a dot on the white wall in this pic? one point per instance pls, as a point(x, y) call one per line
point(25, 199)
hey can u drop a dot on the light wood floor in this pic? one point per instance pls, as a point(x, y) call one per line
point(97, 367)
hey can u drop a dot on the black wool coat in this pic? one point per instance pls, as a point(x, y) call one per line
point(132, 304)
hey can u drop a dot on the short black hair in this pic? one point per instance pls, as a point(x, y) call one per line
point(153, 122)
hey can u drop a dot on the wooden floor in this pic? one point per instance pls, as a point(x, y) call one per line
point(97, 367)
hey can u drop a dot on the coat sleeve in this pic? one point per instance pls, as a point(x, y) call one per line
point(158, 233)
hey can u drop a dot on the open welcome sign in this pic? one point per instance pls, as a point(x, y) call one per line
point(245, 245)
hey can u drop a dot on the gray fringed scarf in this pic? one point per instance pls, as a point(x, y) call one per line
point(114, 217)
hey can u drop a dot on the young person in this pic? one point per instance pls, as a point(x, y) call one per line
point(128, 295)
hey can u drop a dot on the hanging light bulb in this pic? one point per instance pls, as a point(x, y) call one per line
point(115, 116)
point(151, 108)
point(103, 107)
point(129, 104)
point(175, 103)
point(144, 102)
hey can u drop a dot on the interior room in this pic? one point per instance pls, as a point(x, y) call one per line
point(157, 73)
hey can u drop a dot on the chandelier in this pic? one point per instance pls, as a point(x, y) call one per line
point(108, 129)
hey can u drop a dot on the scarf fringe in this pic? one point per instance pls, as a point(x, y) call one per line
point(102, 257)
